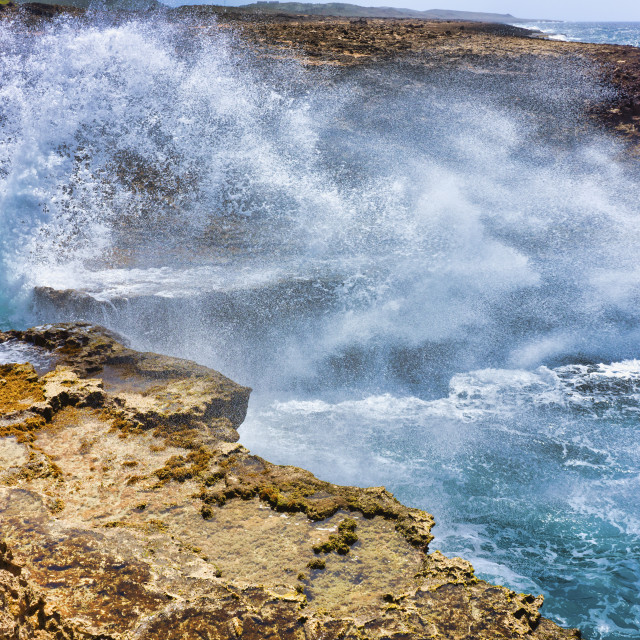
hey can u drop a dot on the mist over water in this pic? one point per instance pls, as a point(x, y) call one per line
point(420, 270)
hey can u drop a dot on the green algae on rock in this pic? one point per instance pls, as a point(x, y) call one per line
point(129, 510)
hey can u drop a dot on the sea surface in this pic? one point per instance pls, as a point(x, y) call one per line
point(429, 277)
point(598, 32)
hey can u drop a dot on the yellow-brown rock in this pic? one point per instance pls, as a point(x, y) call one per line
point(129, 511)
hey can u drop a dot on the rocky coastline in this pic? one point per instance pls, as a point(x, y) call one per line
point(338, 41)
point(128, 509)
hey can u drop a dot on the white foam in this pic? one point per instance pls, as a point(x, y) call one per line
point(477, 395)
point(14, 351)
point(168, 282)
point(430, 226)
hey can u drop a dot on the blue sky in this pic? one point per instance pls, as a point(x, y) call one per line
point(622, 10)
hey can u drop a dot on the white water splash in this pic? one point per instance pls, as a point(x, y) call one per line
point(401, 263)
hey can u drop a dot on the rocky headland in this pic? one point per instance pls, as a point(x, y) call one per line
point(129, 510)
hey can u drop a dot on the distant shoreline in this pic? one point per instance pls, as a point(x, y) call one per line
point(344, 41)
point(334, 9)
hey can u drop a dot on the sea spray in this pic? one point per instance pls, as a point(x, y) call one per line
point(108, 132)
point(419, 270)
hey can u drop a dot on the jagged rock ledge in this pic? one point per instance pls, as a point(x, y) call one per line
point(129, 510)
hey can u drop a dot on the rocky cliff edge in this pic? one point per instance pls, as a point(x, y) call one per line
point(129, 510)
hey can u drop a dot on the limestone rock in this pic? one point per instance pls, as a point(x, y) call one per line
point(129, 511)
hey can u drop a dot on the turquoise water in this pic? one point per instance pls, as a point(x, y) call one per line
point(13, 307)
point(4, 311)
point(627, 33)
point(532, 475)
point(429, 278)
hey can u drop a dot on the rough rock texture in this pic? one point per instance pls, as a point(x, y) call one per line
point(127, 510)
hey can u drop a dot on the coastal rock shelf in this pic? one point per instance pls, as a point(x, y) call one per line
point(342, 41)
point(129, 510)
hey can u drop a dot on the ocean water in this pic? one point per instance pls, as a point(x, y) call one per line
point(429, 277)
point(599, 32)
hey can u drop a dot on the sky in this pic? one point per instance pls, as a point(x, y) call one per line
point(577, 10)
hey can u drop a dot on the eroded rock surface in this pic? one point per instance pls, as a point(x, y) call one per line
point(128, 510)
